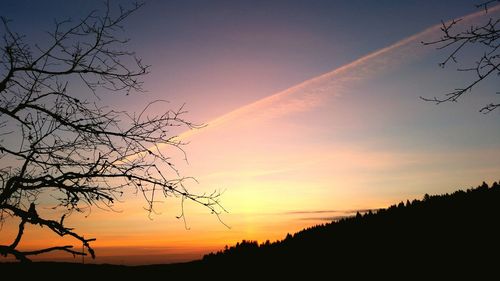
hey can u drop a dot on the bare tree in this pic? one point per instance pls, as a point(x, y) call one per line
point(486, 36)
point(55, 145)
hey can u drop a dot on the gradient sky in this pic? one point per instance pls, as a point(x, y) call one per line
point(312, 111)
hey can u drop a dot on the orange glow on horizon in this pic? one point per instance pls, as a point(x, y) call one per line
point(342, 141)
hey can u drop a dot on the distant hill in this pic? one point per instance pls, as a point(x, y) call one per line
point(450, 235)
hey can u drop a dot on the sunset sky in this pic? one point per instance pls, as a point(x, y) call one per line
point(312, 112)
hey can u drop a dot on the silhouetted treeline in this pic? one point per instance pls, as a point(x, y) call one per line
point(439, 237)
point(448, 233)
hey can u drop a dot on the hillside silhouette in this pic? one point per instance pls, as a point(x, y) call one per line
point(450, 235)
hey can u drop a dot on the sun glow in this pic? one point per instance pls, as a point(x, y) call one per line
point(356, 137)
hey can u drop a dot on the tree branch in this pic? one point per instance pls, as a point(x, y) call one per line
point(73, 149)
point(486, 36)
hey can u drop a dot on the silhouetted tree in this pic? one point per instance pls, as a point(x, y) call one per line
point(485, 40)
point(54, 144)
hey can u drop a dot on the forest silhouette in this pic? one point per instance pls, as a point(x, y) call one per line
point(450, 233)
point(443, 235)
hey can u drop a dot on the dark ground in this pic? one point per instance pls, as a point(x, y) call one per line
point(447, 236)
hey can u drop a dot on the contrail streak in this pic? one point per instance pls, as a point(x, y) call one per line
point(313, 90)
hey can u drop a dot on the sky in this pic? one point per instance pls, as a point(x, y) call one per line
point(312, 112)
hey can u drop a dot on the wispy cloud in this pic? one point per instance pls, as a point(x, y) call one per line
point(327, 215)
point(351, 211)
point(312, 93)
point(315, 212)
point(329, 219)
